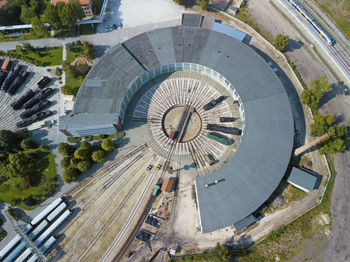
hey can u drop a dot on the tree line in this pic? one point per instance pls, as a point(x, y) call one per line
point(77, 161)
point(39, 12)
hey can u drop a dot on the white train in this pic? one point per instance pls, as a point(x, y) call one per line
point(46, 211)
point(307, 16)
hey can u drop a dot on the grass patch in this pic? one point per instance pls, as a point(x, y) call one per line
point(98, 6)
point(47, 56)
point(44, 182)
point(25, 36)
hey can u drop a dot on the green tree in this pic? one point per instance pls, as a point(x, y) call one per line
point(58, 71)
point(66, 90)
point(70, 13)
point(51, 16)
point(65, 162)
point(108, 145)
point(74, 162)
point(203, 4)
point(88, 50)
point(82, 153)
point(7, 139)
point(333, 146)
point(27, 144)
point(85, 145)
point(84, 166)
point(321, 124)
point(39, 28)
point(19, 165)
point(312, 96)
point(70, 174)
point(28, 13)
point(280, 42)
point(65, 149)
point(98, 156)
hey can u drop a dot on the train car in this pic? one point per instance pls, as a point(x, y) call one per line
point(41, 105)
point(52, 228)
point(46, 211)
point(48, 244)
point(33, 258)
point(12, 75)
point(216, 137)
point(43, 82)
point(3, 76)
point(18, 82)
point(11, 257)
point(41, 115)
point(9, 246)
point(213, 103)
point(17, 104)
point(315, 24)
point(6, 65)
point(56, 212)
point(24, 123)
point(209, 159)
point(227, 119)
point(36, 232)
point(24, 255)
point(225, 129)
point(30, 103)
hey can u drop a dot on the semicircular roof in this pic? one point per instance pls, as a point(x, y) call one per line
point(247, 180)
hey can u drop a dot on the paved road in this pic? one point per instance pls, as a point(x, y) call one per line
point(106, 40)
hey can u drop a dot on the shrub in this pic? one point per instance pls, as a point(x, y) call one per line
point(72, 139)
point(25, 182)
point(89, 138)
point(108, 145)
point(98, 156)
point(44, 147)
point(84, 166)
point(280, 42)
point(86, 145)
point(58, 71)
point(70, 174)
point(67, 90)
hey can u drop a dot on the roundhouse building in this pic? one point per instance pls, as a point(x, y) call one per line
point(245, 181)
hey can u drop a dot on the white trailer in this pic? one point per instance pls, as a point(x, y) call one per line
point(38, 229)
point(9, 246)
point(24, 255)
point(33, 258)
point(48, 244)
point(46, 211)
point(52, 228)
point(15, 252)
point(56, 212)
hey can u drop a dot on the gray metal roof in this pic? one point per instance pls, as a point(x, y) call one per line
point(261, 160)
point(228, 30)
point(244, 223)
point(86, 120)
point(302, 179)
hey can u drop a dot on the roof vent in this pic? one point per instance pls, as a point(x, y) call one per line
point(206, 185)
point(216, 181)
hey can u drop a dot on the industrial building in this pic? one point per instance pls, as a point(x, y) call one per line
point(237, 189)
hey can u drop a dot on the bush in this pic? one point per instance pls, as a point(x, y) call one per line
point(65, 149)
point(44, 147)
point(3, 234)
point(118, 135)
point(86, 145)
point(84, 166)
point(58, 71)
point(25, 182)
point(72, 139)
point(67, 90)
point(108, 145)
point(65, 162)
point(280, 42)
point(89, 138)
point(98, 156)
point(70, 174)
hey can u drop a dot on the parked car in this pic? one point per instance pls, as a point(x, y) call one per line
point(159, 166)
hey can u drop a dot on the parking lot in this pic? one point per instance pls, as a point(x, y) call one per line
point(131, 13)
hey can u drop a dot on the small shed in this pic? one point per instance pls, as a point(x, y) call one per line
point(167, 185)
point(302, 179)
